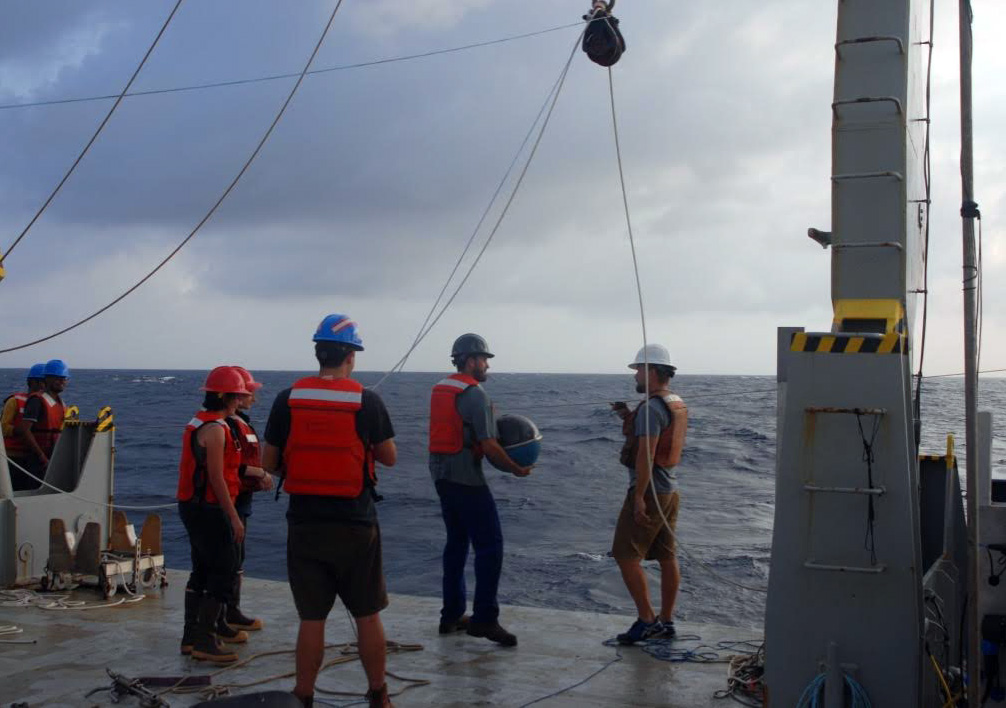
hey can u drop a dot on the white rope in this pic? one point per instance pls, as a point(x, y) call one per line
point(84, 499)
point(646, 362)
point(550, 101)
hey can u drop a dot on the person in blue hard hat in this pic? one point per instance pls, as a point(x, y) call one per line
point(654, 437)
point(323, 436)
point(42, 421)
point(462, 432)
point(13, 413)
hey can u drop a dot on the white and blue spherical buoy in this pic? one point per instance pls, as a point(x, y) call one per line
point(519, 437)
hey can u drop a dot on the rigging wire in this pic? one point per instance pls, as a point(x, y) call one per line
point(101, 126)
point(213, 209)
point(277, 77)
point(642, 318)
point(499, 220)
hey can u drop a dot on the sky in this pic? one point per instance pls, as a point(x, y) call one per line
point(373, 181)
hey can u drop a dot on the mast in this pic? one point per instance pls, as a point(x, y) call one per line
point(969, 211)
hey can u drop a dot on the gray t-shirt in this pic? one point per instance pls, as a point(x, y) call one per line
point(665, 480)
point(476, 410)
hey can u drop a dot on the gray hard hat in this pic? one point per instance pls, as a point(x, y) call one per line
point(470, 345)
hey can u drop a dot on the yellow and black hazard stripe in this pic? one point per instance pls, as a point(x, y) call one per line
point(106, 421)
point(893, 343)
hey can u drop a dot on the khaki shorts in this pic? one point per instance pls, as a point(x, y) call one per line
point(651, 541)
point(329, 560)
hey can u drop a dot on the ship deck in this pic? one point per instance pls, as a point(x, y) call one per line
point(557, 650)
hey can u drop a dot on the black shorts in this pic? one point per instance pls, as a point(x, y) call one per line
point(329, 560)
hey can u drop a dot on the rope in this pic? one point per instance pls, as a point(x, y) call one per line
point(813, 695)
point(94, 137)
point(554, 96)
point(57, 601)
point(11, 630)
point(642, 318)
point(869, 458)
point(84, 499)
point(212, 210)
point(561, 691)
point(277, 77)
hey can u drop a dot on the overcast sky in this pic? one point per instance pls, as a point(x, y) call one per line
point(374, 179)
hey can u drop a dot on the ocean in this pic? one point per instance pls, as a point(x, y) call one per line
point(558, 522)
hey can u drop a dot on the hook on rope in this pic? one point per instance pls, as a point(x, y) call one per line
point(602, 40)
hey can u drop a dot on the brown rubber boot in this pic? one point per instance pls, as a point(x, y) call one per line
point(205, 646)
point(378, 697)
point(234, 616)
point(192, 599)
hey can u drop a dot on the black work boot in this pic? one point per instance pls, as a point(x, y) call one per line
point(226, 633)
point(452, 626)
point(235, 617)
point(205, 647)
point(192, 599)
point(378, 697)
point(493, 632)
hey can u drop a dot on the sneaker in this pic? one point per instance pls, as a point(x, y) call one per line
point(493, 632)
point(458, 625)
point(667, 630)
point(639, 631)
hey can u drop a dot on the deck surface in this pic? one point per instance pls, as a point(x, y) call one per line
point(557, 650)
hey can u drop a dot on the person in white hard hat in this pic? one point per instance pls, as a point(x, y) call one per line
point(654, 437)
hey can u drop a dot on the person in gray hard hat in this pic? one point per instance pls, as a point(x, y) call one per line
point(462, 432)
point(654, 437)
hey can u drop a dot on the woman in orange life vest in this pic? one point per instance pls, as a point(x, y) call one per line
point(253, 479)
point(13, 412)
point(208, 483)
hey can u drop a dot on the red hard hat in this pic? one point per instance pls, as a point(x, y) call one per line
point(225, 379)
point(250, 383)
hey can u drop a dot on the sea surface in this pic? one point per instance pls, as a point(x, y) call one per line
point(558, 522)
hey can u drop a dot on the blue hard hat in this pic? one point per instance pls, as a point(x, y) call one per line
point(56, 367)
point(341, 329)
point(37, 371)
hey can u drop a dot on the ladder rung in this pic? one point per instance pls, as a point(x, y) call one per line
point(855, 411)
point(877, 491)
point(845, 568)
point(868, 175)
point(868, 99)
point(871, 244)
point(865, 40)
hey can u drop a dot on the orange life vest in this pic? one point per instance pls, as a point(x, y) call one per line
point(251, 449)
point(193, 474)
point(447, 429)
point(46, 431)
point(672, 438)
point(324, 454)
point(13, 442)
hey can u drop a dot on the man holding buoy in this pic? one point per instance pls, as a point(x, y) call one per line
point(654, 436)
point(462, 432)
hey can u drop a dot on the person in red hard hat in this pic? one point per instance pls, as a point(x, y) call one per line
point(253, 479)
point(208, 484)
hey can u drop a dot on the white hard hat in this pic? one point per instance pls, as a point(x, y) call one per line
point(652, 354)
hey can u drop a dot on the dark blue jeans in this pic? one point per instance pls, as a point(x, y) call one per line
point(470, 518)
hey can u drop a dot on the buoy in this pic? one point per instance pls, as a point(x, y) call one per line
point(519, 437)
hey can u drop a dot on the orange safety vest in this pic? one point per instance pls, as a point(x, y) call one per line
point(193, 475)
point(13, 442)
point(46, 431)
point(324, 454)
point(251, 450)
point(447, 429)
point(672, 438)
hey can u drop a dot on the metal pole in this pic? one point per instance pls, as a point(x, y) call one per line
point(968, 213)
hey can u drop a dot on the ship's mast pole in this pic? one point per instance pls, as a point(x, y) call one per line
point(968, 214)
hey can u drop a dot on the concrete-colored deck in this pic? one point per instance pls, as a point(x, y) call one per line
point(557, 650)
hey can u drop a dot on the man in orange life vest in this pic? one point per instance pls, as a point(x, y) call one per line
point(14, 444)
point(253, 479)
point(654, 436)
point(325, 433)
point(42, 420)
point(462, 431)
